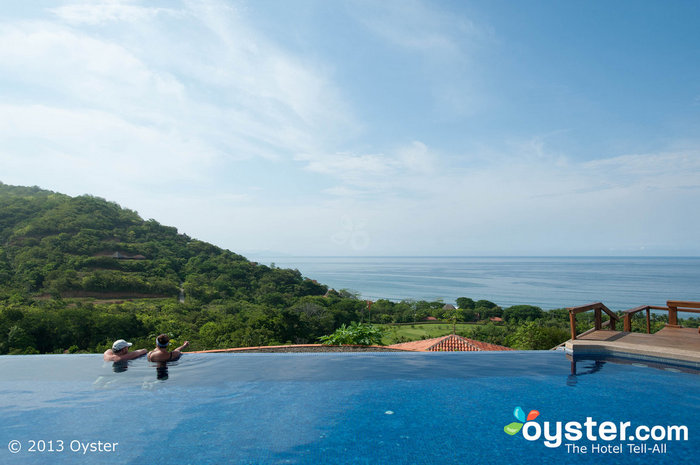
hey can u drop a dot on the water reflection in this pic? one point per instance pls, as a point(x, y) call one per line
point(593, 364)
point(162, 371)
point(120, 366)
point(589, 369)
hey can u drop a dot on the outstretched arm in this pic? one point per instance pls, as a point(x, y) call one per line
point(183, 346)
point(135, 354)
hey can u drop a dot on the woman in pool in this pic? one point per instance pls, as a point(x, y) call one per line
point(161, 353)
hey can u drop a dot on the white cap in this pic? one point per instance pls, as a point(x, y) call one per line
point(120, 344)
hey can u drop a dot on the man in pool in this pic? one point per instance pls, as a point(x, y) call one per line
point(161, 353)
point(120, 352)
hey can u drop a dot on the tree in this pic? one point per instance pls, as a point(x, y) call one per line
point(19, 340)
point(465, 303)
point(518, 313)
point(534, 335)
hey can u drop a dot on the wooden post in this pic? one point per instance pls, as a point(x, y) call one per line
point(672, 316)
point(627, 326)
point(572, 322)
point(598, 320)
point(612, 323)
point(648, 324)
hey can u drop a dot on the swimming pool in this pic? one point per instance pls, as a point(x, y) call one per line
point(335, 408)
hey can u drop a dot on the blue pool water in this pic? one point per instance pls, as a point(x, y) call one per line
point(331, 408)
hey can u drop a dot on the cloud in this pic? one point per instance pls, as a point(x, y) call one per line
point(417, 158)
point(349, 167)
point(533, 206)
point(181, 88)
point(64, 144)
point(576, 204)
point(665, 170)
point(383, 172)
point(94, 13)
point(59, 66)
point(415, 26)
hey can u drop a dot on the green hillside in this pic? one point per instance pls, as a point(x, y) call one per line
point(81, 271)
point(61, 246)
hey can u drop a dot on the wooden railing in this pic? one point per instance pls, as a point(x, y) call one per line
point(598, 308)
point(672, 307)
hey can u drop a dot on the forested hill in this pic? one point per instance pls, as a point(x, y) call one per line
point(60, 246)
point(76, 273)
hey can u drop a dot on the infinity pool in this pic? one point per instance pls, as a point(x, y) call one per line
point(347, 408)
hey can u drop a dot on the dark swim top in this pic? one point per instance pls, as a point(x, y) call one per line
point(168, 360)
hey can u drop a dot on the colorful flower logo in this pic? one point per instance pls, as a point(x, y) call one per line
point(519, 414)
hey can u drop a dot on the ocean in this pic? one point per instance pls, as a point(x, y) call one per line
point(547, 282)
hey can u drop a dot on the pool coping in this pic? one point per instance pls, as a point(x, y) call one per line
point(316, 348)
point(677, 356)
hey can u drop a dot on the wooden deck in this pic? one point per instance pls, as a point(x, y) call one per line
point(675, 345)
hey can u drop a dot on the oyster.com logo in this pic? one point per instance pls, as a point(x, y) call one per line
point(598, 437)
point(519, 414)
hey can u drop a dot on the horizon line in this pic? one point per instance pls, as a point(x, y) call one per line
point(283, 255)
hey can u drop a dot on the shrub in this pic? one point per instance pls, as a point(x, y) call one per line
point(356, 334)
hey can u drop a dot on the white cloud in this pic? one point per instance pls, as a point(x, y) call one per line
point(103, 11)
point(666, 171)
point(531, 205)
point(179, 92)
point(413, 25)
point(90, 144)
point(349, 167)
point(346, 192)
point(65, 66)
point(383, 172)
point(417, 157)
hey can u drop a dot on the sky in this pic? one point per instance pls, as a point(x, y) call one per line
point(368, 128)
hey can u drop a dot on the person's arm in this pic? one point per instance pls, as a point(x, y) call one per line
point(178, 351)
point(134, 354)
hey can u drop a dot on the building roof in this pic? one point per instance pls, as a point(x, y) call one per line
point(449, 343)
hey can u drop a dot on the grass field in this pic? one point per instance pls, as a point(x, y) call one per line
point(415, 332)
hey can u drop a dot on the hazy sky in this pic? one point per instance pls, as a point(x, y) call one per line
point(367, 128)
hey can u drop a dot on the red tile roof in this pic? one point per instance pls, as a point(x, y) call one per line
point(448, 343)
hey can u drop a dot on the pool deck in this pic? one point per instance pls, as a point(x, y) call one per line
point(673, 345)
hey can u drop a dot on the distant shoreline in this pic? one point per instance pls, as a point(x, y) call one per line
point(283, 256)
